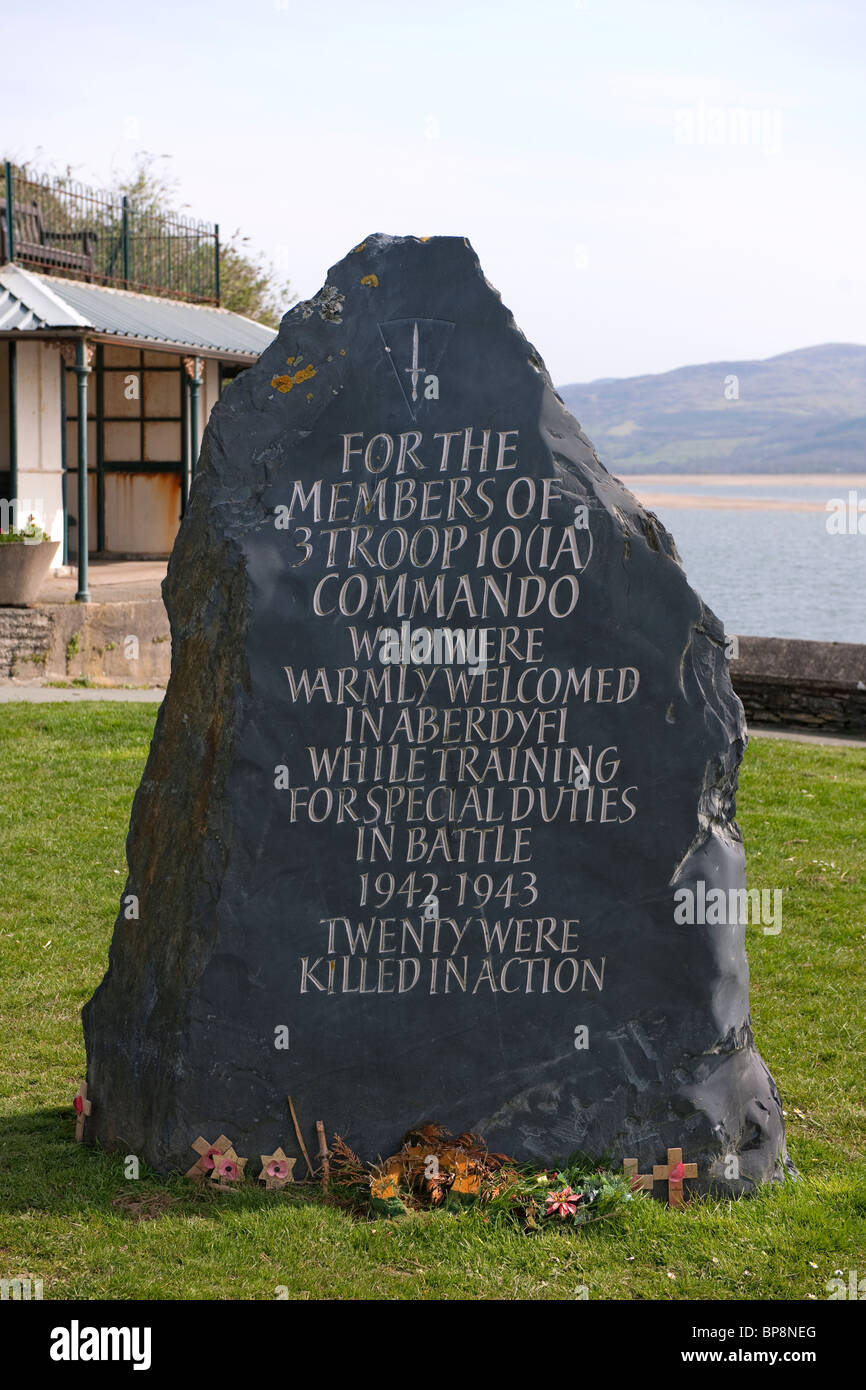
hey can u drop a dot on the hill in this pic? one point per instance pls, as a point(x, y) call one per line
point(800, 412)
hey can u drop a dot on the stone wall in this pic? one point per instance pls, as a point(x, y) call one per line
point(108, 643)
point(25, 642)
point(820, 686)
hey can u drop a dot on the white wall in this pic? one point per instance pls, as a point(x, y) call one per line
point(210, 391)
point(4, 406)
point(40, 466)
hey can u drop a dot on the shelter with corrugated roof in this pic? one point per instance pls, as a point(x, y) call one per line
point(113, 351)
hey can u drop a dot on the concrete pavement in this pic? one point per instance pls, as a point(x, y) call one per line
point(52, 695)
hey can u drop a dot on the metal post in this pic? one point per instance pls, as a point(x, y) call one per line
point(184, 442)
point(125, 228)
point(64, 461)
point(82, 371)
point(100, 450)
point(194, 388)
point(10, 217)
point(13, 423)
point(216, 234)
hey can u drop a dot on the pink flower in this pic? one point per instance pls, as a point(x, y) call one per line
point(562, 1203)
point(227, 1169)
point(207, 1161)
point(277, 1169)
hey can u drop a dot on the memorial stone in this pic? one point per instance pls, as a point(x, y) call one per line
point(448, 742)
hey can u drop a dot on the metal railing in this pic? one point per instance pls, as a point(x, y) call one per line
point(60, 227)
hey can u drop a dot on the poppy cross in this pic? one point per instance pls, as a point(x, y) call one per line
point(673, 1173)
point(227, 1171)
point(639, 1182)
point(277, 1169)
point(207, 1156)
point(83, 1108)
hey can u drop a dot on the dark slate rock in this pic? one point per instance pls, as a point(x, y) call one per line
point(233, 896)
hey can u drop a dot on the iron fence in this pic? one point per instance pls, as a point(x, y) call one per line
point(58, 226)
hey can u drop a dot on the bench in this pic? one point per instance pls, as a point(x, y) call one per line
point(35, 244)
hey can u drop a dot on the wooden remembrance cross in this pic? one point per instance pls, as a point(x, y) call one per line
point(640, 1182)
point(673, 1173)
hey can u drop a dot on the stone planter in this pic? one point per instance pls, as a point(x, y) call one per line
point(23, 570)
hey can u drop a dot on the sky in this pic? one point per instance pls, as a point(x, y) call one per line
point(647, 184)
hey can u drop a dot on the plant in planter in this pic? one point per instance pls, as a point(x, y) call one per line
point(26, 553)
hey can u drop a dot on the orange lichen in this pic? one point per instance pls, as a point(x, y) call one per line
point(285, 383)
point(370, 280)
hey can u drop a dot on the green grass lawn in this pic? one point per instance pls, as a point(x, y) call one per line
point(68, 1215)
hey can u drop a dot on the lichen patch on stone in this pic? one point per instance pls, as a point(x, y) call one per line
point(284, 384)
